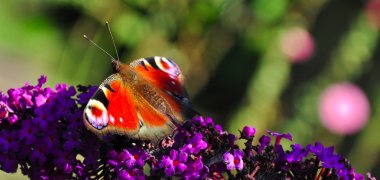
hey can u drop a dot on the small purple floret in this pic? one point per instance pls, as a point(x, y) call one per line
point(248, 132)
point(175, 163)
point(297, 154)
point(264, 142)
point(195, 144)
point(280, 136)
point(234, 160)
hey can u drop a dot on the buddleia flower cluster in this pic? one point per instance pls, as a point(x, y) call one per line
point(42, 134)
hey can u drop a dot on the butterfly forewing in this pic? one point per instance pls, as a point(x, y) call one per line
point(118, 112)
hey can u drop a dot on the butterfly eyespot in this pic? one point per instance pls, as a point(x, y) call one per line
point(96, 111)
point(96, 115)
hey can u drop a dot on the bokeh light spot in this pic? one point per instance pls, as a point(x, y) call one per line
point(344, 108)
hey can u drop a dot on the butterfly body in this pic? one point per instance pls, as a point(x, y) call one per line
point(143, 100)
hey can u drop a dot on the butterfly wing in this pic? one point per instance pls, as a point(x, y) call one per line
point(112, 108)
point(167, 79)
point(163, 73)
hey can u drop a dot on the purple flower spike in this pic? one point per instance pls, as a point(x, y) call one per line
point(235, 160)
point(195, 145)
point(248, 132)
point(42, 132)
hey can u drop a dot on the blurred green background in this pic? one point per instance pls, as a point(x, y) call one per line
point(229, 50)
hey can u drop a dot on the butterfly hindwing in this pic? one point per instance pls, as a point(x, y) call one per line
point(166, 76)
point(163, 73)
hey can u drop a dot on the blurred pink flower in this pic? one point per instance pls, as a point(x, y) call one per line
point(344, 108)
point(372, 11)
point(297, 44)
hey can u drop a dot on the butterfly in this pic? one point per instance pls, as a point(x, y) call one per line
point(143, 100)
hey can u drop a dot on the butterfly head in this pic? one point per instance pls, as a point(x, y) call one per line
point(116, 65)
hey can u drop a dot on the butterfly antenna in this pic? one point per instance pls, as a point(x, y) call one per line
point(113, 41)
point(93, 43)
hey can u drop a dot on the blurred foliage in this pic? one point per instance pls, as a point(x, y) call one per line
point(228, 50)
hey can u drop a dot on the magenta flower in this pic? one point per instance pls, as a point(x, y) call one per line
point(248, 132)
point(234, 160)
point(175, 163)
point(195, 144)
point(136, 158)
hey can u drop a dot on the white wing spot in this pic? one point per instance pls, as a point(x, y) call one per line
point(112, 119)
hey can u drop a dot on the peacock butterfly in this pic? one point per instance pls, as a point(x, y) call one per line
point(143, 100)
